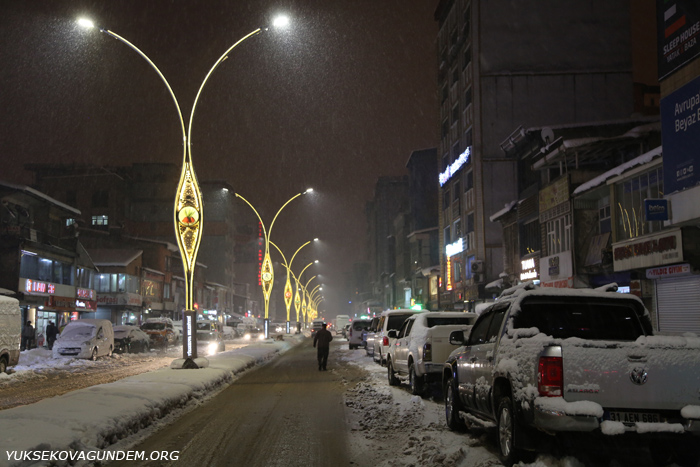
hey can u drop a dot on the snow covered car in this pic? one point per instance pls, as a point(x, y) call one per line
point(370, 336)
point(161, 331)
point(85, 338)
point(578, 364)
point(357, 327)
point(130, 339)
point(254, 334)
point(422, 346)
point(209, 343)
point(389, 319)
point(10, 331)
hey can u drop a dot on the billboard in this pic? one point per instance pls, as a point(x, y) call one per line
point(680, 133)
point(678, 27)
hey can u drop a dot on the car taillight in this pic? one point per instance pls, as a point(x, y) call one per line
point(385, 341)
point(427, 352)
point(550, 380)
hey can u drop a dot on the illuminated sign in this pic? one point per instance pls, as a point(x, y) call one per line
point(87, 294)
point(528, 269)
point(454, 248)
point(448, 273)
point(456, 165)
point(32, 286)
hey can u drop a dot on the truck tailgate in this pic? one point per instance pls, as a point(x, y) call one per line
point(659, 372)
point(440, 340)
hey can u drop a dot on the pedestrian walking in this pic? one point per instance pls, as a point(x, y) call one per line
point(322, 341)
point(51, 333)
point(27, 336)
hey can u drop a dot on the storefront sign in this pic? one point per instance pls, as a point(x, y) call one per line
point(651, 250)
point(559, 284)
point(656, 209)
point(554, 194)
point(456, 165)
point(448, 273)
point(128, 299)
point(557, 270)
point(35, 287)
point(528, 269)
point(668, 271)
point(86, 294)
point(677, 30)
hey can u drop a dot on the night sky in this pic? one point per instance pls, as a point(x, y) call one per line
point(339, 99)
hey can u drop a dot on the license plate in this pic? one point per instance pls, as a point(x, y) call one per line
point(630, 418)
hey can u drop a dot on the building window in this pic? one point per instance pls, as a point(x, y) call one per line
point(100, 220)
point(458, 228)
point(445, 128)
point(529, 238)
point(100, 199)
point(468, 97)
point(559, 235)
point(466, 17)
point(444, 93)
point(455, 76)
point(455, 114)
point(468, 138)
point(468, 181)
point(629, 210)
point(455, 151)
point(445, 198)
point(470, 223)
point(456, 190)
point(604, 221)
point(467, 56)
point(457, 268)
point(446, 235)
point(70, 222)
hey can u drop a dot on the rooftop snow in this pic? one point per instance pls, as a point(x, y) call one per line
point(620, 169)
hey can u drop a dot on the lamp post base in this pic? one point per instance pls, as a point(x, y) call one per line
point(189, 363)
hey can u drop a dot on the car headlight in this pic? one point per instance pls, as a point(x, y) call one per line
point(211, 348)
point(261, 337)
point(247, 337)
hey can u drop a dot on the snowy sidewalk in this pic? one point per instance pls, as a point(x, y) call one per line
point(93, 418)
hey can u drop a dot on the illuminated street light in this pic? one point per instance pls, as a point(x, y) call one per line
point(288, 284)
point(267, 272)
point(188, 207)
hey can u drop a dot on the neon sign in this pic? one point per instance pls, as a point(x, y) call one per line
point(456, 165)
point(528, 269)
point(39, 287)
point(454, 248)
point(448, 273)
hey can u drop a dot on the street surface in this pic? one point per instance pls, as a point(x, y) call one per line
point(285, 413)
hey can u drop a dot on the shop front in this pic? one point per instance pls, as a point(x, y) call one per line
point(120, 308)
point(42, 302)
point(668, 262)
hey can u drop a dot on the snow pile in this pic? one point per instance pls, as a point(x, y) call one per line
point(98, 416)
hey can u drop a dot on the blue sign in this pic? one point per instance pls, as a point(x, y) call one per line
point(680, 134)
point(656, 209)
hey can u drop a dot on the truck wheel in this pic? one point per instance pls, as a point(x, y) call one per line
point(415, 382)
point(454, 421)
point(393, 380)
point(3, 365)
point(505, 422)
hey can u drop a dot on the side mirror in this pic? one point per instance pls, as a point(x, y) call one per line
point(457, 338)
point(392, 334)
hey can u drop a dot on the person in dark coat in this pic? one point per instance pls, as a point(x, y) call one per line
point(27, 336)
point(51, 333)
point(322, 341)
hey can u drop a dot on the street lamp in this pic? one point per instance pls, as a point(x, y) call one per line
point(188, 207)
point(288, 284)
point(267, 272)
point(305, 295)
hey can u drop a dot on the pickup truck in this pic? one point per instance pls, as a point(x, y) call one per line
point(421, 347)
point(544, 362)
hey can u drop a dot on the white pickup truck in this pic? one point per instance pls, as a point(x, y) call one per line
point(420, 348)
point(569, 362)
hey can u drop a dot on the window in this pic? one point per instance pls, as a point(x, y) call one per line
point(458, 228)
point(166, 290)
point(468, 181)
point(446, 235)
point(559, 235)
point(495, 326)
point(529, 238)
point(468, 97)
point(468, 137)
point(470, 223)
point(456, 190)
point(630, 196)
point(467, 57)
point(445, 161)
point(443, 93)
point(445, 132)
point(455, 114)
point(458, 270)
point(100, 220)
point(445, 198)
point(466, 17)
point(604, 222)
point(481, 328)
point(455, 76)
point(70, 222)
point(456, 151)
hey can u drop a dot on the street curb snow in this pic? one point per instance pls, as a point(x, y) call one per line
point(96, 417)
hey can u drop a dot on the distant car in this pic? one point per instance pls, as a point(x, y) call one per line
point(130, 339)
point(355, 334)
point(279, 327)
point(316, 326)
point(390, 319)
point(368, 336)
point(161, 331)
point(209, 343)
point(254, 334)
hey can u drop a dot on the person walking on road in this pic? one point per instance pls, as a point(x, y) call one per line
point(51, 333)
point(323, 339)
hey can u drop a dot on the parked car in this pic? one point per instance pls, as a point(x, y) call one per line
point(422, 346)
point(10, 331)
point(355, 333)
point(578, 364)
point(209, 342)
point(161, 332)
point(85, 338)
point(389, 319)
point(369, 336)
point(130, 339)
point(316, 326)
point(254, 334)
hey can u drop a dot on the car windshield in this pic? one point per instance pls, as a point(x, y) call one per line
point(81, 331)
point(583, 318)
point(205, 336)
point(121, 333)
point(360, 325)
point(467, 320)
point(153, 326)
